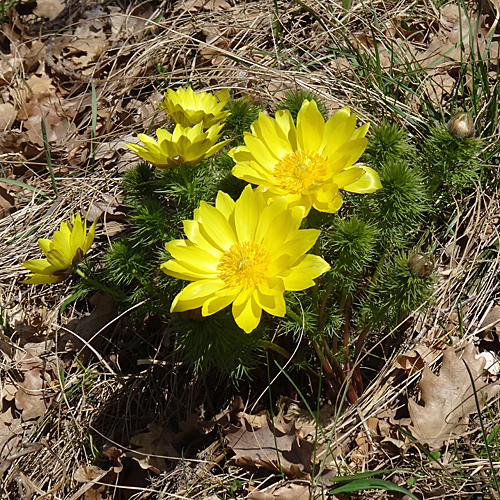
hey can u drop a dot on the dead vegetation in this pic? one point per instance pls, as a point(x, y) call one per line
point(123, 423)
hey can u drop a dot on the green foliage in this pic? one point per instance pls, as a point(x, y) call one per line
point(386, 142)
point(397, 292)
point(398, 208)
point(350, 246)
point(243, 114)
point(216, 342)
point(137, 183)
point(451, 164)
point(293, 102)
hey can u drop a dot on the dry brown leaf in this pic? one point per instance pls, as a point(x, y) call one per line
point(79, 333)
point(155, 447)
point(49, 9)
point(12, 141)
point(290, 491)
point(108, 204)
point(10, 436)
point(6, 202)
point(305, 423)
point(7, 116)
point(33, 397)
point(489, 325)
point(261, 447)
point(195, 5)
point(413, 361)
point(448, 399)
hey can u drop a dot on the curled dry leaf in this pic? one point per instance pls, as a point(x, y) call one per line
point(448, 398)
point(413, 361)
point(155, 447)
point(269, 447)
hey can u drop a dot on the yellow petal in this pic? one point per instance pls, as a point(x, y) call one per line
point(260, 153)
point(225, 204)
point(221, 300)
point(347, 176)
point(285, 121)
point(185, 271)
point(246, 312)
point(310, 127)
point(368, 183)
point(217, 227)
point(276, 207)
point(45, 245)
point(338, 137)
point(200, 238)
point(331, 206)
point(301, 276)
point(270, 133)
point(290, 252)
point(90, 238)
point(194, 256)
point(39, 266)
point(246, 215)
point(195, 294)
point(40, 279)
point(273, 304)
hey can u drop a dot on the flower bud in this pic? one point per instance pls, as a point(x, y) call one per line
point(461, 125)
point(421, 265)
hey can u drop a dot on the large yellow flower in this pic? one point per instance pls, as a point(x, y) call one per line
point(188, 109)
point(246, 253)
point(186, 145)
point(308, 162)
point(63, 254)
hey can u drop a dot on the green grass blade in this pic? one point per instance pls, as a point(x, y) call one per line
point(49, 159)
point(94, 124)
point(361, 475)
point(370, 484)
point(23, 185)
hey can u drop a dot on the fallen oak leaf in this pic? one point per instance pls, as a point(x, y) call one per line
point(271, 448)
point(449, 398)
point(155, 446)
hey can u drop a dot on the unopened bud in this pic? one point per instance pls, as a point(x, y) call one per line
point(421, 265)
point(461, 125)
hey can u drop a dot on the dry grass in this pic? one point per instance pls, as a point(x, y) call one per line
point(95, 407)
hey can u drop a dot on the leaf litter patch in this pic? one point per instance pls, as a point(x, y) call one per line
point(34, 388)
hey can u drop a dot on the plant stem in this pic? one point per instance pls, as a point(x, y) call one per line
point(100, 286)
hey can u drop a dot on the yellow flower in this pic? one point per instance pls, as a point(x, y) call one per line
point(308, 162)
point(69, 246)
point(188, 109)
point(246, 253)
point(186, 145)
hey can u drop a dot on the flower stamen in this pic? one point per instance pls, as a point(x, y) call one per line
point(244, 264)
point(301, 171)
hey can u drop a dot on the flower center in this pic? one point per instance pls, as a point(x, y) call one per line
point(300, 171)
point(245, 263)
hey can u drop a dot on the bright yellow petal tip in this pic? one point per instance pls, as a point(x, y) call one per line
point(245, 253)
point(68, 247)
point(188, 108)
point(307, 162)
point(187, 145)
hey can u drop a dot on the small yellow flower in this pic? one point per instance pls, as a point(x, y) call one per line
point(245, 253)
point(188, 109)
point(308, 162)
point(186, 145)
point(69, 246)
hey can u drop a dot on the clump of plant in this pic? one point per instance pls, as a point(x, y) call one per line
point(241, 237)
